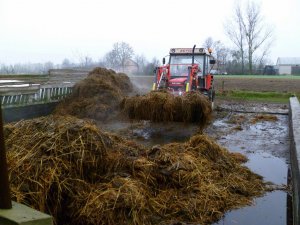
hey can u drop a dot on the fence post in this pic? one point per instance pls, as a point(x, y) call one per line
point(223, 82)
point(5, 199)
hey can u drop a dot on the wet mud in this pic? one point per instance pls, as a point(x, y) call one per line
point(266, 144)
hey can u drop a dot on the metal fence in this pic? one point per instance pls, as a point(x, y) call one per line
point(44, 94)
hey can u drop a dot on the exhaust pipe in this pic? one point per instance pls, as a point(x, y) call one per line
point(193, 56)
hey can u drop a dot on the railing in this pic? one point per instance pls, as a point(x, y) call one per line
point(52, 93)
point(40, 94)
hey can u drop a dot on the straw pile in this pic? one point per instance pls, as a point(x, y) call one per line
point(98, 96)
point(264, 117)
point(67, 167)
point(160, 106)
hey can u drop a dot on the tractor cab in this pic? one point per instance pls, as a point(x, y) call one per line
point(187, 70)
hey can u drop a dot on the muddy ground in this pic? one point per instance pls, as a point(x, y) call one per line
point(266, 144)
point(235, 126)
point(232, 83)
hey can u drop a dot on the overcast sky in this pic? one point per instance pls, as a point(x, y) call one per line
point(51, 30)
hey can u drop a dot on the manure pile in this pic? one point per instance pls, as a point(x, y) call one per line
point(160, 106)
point(98, 96)
point(81, 175)
point(264, 117)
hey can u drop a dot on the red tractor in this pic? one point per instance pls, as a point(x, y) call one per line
point(188, 70)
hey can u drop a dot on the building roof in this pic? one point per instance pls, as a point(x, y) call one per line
point(288, 61)
point(130, 62)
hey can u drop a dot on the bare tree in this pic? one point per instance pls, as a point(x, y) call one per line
point(111, 61)
point(208, 43)
point(261, 59)
point(219, 51)
point(223, 58)
point(48, 66)
point(85, 61)
point(119, 55)
point(217, 48)
point(141, 63)
point(150, 67)
point(257, 32)
point(249, 28)
point(66, 63)
point(234, 30)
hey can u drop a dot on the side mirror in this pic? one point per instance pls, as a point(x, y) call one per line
point(164, 61)
point(212, 61)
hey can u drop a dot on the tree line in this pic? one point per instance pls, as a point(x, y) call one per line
point(250, 36)
point(117, 59)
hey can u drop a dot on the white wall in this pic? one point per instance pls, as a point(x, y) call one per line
point(284, 69)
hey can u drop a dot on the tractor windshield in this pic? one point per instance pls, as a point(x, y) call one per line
point(179, 64)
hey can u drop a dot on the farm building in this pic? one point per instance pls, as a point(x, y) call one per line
point(130, 67)
point(288, 65)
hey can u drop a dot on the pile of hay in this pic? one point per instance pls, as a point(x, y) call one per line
point(98, 96)
point(160, 106)
point(67, 167)
point(102, 93)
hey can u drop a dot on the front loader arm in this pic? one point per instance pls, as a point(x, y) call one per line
point(192, 77)
point(161, 73)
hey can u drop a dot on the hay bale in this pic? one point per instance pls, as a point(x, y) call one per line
point(67, 167)
point(98, 96)
point(161, 106)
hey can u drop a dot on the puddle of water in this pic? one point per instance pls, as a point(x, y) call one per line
point(270, 137)
point(166, 134)
point(271, 208)
point(272, 168)
point(221, 123)
point(266, 145)
point(266, 210)
point(19, 85)
point(9, 81)
point(150, 134)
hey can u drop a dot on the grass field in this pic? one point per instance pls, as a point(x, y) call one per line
point(260, 76)
point(258, 87)
point(257, 96)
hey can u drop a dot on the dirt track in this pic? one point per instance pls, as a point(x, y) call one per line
point(232, 83)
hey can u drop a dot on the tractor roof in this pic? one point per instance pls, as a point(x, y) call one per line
point(187, 51)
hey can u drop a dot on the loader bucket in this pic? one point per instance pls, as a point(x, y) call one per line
point(162, 106)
